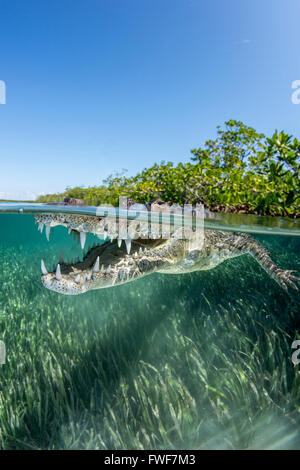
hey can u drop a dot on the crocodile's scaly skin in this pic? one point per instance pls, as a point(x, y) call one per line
point(117, 262)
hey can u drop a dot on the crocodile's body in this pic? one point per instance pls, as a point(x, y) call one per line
point(116, 262)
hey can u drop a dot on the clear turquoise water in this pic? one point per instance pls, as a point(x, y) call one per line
point(200, 360)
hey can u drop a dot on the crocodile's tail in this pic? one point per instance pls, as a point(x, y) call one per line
point(284, 278)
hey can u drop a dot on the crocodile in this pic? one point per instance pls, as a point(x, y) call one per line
point(118, 261)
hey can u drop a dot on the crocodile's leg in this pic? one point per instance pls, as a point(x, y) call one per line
point(242, 243)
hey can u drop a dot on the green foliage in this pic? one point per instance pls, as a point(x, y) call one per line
point(241, 170)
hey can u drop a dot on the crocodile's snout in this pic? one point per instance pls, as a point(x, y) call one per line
point(63, 286)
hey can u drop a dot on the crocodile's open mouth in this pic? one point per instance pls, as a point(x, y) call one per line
point(105, 264)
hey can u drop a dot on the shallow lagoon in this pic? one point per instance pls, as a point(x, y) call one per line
point(195, 361)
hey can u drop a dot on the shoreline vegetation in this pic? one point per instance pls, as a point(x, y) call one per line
point(241, 171)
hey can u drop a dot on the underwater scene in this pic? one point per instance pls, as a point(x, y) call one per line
point(199, 360)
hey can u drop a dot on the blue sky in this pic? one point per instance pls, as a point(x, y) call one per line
point(94, 86)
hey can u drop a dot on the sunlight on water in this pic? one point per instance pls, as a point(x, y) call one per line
point(200, 360)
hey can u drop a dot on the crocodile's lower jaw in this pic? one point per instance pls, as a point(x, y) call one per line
point(106, 265)
point(63, 286)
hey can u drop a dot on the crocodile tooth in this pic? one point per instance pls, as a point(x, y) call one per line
point(43, 267)
point(77, 279)
point(128, 245)
point(141, 250)
point(88, 277)
point(104, 235)
point(102, 269)
point(96, 265)
point(48, 231)
point(58, 273)
point(69, 230)
point(41, 226)
point(82, 239)
point(119, 242)
point(135, 255)
point(108, 269)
